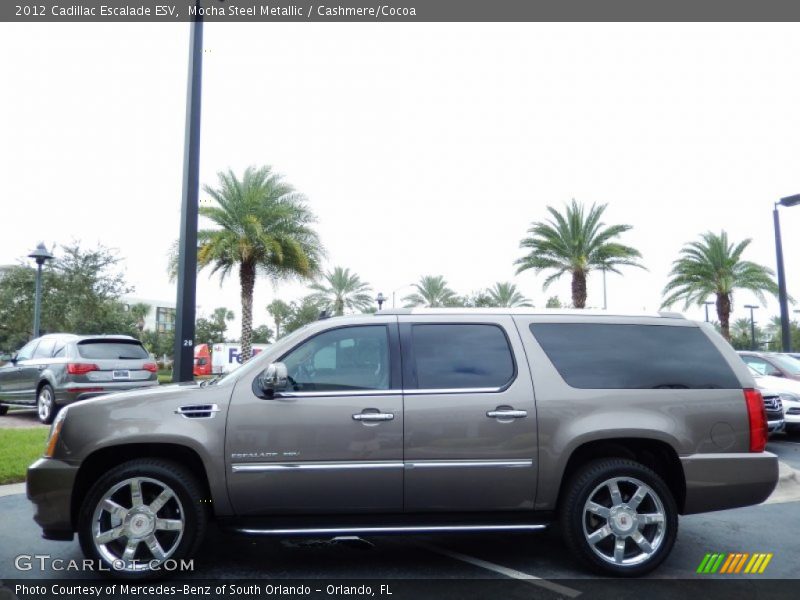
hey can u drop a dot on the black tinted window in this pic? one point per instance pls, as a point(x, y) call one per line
point(350, 358)
point(599, 356)
point(461, 356)
point(113, 350)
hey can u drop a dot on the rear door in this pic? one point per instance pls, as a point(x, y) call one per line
point(470, 416)
point(119, 362)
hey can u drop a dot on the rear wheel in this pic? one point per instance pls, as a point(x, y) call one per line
point(46, 404)
point(619, 517)
point(3, 410)
point(141, 514)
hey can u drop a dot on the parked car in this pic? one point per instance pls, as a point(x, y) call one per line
point(420, 421)
point(773, 364)
point(55, 370)
point(788, 393)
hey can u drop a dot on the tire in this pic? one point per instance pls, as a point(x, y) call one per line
point(3, 410)
point(610, 536)
point(792, 430)
point(46, 405)
point(108, 533)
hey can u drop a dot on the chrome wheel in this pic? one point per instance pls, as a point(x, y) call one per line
point(44, 404)
point(137, 524)
point(624, 521)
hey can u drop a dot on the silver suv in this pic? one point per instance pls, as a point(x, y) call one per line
point(422, 421)
point(57, 369)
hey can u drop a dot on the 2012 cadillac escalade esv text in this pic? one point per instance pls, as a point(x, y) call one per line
point(421, 421)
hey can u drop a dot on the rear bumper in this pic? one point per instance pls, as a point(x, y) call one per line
point(74, 392)
point(49, 487)
point(722, 481)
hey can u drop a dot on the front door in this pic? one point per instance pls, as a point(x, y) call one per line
point(334, 442)
point(470, 415)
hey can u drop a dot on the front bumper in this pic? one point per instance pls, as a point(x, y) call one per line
point(775, 425)
point(49, 487)
point(722, 481)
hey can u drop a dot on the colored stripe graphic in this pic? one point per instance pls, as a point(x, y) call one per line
point(766, 562)
point(733, 562)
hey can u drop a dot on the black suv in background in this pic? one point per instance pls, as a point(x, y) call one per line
point(58, 369)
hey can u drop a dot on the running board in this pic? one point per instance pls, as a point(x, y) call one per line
point(378, 530)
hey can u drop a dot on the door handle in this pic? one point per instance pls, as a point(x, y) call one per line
point(373, 417)
point(507, 413)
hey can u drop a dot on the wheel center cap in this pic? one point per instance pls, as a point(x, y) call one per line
point(623, 521)
point(140, 525)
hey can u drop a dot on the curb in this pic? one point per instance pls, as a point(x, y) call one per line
point(12, 489)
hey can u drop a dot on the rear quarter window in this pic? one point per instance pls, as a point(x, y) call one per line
point(607, 356)
point(115, 350)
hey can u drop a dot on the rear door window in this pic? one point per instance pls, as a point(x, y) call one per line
point(461, 355)
point(601, 356)
point(112, 350)
point(45, 348)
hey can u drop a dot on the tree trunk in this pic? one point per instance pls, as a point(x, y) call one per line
point(578, 289)
point(724, 314)
point(247, 279)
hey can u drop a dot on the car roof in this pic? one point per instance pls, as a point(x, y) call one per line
point(72, 337)
point(520, 310)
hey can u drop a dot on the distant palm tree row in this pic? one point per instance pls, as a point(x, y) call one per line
point(262, 225)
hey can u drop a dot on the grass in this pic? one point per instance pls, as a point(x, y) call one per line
point(18, 449)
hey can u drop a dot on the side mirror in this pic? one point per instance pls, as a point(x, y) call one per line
point(274, 379)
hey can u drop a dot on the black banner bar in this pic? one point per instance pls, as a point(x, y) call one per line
point(371, 11)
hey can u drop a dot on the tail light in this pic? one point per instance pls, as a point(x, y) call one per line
point(152, 367)
point(757, 416)
point(81, 368)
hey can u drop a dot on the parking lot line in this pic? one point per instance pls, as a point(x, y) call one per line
point(512, 573)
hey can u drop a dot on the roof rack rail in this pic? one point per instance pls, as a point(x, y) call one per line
point(670, 315)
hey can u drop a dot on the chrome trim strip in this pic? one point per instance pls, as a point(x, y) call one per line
point(325, 466)
point(436, 464)
point(338, 393)
point(394, 529)
point(453, 391)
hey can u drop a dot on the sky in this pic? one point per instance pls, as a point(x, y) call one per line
point(424, 149)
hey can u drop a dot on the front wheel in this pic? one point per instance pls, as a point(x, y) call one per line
point(140, 515)
point(619, 517)
point(3, 410)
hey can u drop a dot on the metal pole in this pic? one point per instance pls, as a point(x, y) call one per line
point(786, 340)
point(37, 304)
point(752, 330)
point(182, 369)
point(706, 305)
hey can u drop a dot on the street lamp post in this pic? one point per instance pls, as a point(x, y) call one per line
point(752, 326)
point(40, 255)
point(605, 303)
point(380, 299)
point(185, 305)
point(786, 341)
point(707, 305)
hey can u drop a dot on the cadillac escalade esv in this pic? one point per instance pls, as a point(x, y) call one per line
point(438, 420)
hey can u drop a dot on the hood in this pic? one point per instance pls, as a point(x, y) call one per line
point(777, 384)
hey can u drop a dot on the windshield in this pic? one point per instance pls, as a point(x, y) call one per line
point(285, 342)
point(787, 363)
point(116, 349)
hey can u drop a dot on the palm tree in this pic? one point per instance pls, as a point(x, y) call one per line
point(576, 242)
point(506, 295)
point(432, 291)
point(280, 312)
point(139, 312)
point(263, 226)
point(714, 266)
point(344, 290)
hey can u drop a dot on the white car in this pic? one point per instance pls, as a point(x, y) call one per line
point(789, 392)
